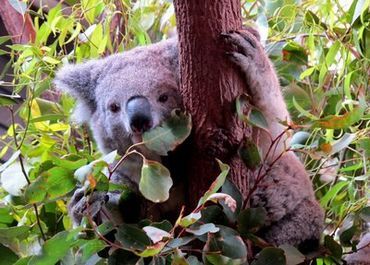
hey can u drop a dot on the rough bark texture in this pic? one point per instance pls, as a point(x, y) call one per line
point(209, 85)
point(19, 26)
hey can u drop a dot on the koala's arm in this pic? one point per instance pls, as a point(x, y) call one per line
point(293, 214)
point(263, 87)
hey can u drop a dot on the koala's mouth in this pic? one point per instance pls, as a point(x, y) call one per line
point(137, 138)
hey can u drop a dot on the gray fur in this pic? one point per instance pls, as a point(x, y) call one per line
point(286, 193)
point(362, 256)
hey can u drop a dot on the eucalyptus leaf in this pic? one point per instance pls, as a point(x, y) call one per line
point(251, 219)
point(155, 181)
point(270, 256)
point(171, 133)
point(335, 249)
point(217, 184)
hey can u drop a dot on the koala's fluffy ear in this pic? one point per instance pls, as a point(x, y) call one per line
point(80, 80)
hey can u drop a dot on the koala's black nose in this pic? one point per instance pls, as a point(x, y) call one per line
point(139, 114)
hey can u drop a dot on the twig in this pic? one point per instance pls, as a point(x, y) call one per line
point(20, 158)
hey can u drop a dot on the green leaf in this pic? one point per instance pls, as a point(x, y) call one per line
point(8, 257)
point(230, 188)
point(217, 184)
point(90, 248)
point(332, 193)
point(302, 111)
point(50, 60)
point(250, 154)
point(151, 251)
point(330, 56)
point(55, 249)
point(228, 243)
point(155, 181)
point(306, 73)
point(59, 182)
point(217, 259)
point(53, 183)
point(341, 121)
point(335, 249)
point(254, 117)
point(171, 133)
point(6, 101)
point(132, 238)
point(20, 232)
point(190, 219)
point(99, 165)
point(270, 256)
point(251, 219)
point(36, 191)
point(48, 117)
point(5, 216)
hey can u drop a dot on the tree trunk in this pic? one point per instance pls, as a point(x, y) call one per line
point(19, 27)
point(209, 85)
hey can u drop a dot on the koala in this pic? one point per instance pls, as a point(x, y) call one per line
point(123, 95)
point(120, 97)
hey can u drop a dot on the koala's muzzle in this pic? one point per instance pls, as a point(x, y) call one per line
point(139, 114)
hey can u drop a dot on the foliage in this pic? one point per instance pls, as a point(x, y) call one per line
point(322, 54)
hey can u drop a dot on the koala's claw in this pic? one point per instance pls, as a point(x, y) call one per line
point(245, 42)
point(86, 205)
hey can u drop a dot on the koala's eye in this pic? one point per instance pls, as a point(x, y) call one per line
point(163, 98)
point(114, 107)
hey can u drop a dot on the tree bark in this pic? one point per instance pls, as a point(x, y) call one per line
point(19, 27)
point(209, 84)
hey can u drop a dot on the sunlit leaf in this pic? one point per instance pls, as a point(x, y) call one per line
point(341, 121)
point(20, 232)
point(332, 193)
point(54, 249)
point(156, 234)
point(217, 184)
point(190, 219)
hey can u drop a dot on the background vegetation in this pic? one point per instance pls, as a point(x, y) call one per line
point(321, 50)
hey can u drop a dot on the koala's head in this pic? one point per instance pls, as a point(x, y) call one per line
point(125, 94)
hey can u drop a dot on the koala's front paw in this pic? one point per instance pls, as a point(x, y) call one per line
point(83, 204)
point(248, 52)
